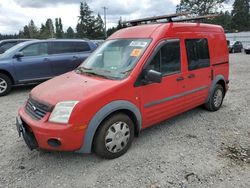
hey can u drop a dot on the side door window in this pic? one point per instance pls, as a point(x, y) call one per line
point(61, 47)
point(167, 60)
point(197, 53)
point(37, 49)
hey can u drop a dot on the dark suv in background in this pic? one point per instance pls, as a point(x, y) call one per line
point(8, 43)
point(234, 46)
point(36, 61)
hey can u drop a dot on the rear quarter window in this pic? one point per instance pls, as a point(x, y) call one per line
point(82, 47)
point(68, 47)
point(197, 53)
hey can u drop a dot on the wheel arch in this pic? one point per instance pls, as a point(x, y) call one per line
point(219, 79)
point(7, 74)
point(105, 112)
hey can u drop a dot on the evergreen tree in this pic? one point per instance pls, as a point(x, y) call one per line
point(199, 7)
point(99, 28)
point(14, 36)
point(59, 28)
point(47, 30)
point(86, 22)
point(30, 30)
point(70, 33)
point(33, 31)
point(119, 26)
point(241, 17)
point(224, 19)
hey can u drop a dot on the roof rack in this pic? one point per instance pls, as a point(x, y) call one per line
point(168, 18)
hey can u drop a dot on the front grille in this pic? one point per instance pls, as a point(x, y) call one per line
point(36, 110)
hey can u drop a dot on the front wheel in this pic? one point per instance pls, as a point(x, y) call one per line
point(5, 84)
point(216, 98)
point(114, 136)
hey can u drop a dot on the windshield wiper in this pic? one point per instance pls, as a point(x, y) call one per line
point(80, 70)
point(95, 74)
point(126, 71)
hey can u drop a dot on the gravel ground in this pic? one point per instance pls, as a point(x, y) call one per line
point(195, 149)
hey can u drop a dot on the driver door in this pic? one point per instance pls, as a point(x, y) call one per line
point(162, 100)
point(34, 65)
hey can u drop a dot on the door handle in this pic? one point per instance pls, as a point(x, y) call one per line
point(46, 59)
point(180, 78)
point(191, 75)
point(75, 57)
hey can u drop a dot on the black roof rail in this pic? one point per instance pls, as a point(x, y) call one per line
point(197, 18)
point(168, 18)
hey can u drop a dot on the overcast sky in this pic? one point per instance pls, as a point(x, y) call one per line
point(14, 14)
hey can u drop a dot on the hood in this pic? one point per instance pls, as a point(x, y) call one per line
point(2, 58)
point(71, 86)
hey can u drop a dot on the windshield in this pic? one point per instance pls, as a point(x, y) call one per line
point(115, 59)
point(12, 49)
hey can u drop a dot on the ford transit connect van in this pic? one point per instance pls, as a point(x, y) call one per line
point(140, 76)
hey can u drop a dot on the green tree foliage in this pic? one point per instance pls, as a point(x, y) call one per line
point(241, 17)
point(59, 28)
point(119, 26)
point(224, 19)
point(15, 36)
point(86, 22)
point(47, 30)
point(99, 28)
point(199, 7)
point(30, 31)
point(70, 33)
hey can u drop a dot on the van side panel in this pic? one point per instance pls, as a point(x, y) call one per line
point(219, 56)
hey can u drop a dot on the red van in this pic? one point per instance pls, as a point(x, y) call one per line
point(139, 77)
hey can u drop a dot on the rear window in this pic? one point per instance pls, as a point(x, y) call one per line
point(68, 47)
point(197, 53)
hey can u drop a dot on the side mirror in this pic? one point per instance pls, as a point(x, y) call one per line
point(153, 76)
point(18, 54)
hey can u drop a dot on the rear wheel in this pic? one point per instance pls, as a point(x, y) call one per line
point(216, 99)
point(114, 136)
point(5, 84)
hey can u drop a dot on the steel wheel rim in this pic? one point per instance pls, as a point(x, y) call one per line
point(3, 85)
point(218, 97)
point(117, 137)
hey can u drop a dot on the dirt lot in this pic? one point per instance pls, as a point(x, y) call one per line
point(196, 149)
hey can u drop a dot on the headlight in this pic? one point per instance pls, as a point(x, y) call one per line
point(62, 111)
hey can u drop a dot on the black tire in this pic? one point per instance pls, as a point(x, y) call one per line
point(5, 84)
point(211, 105)
point(100, 141)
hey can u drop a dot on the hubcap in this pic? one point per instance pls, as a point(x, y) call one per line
point(3, 85)
point(117, 137)
point(218, 97)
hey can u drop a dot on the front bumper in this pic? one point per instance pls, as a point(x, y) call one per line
point(28, 136)
point(49, 136)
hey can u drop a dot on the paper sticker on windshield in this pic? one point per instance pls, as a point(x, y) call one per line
point(138, 44)
point(136, 52)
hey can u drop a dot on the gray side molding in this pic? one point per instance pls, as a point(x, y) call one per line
point(101, 115)
point(215, 81)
